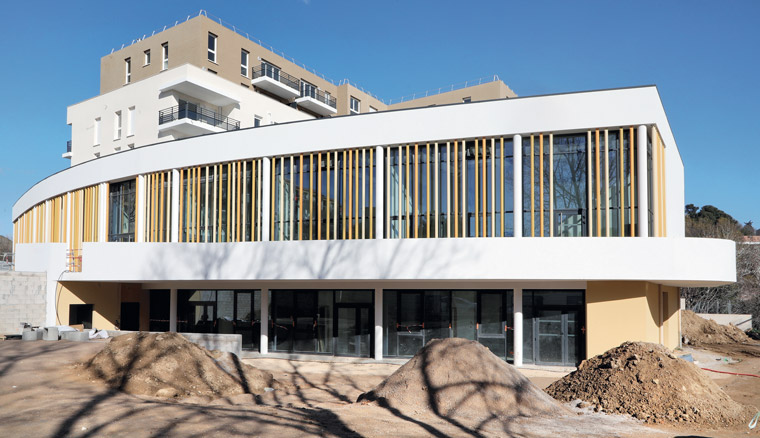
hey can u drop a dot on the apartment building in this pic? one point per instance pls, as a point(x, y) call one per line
point(204, 76)
point(548, 228)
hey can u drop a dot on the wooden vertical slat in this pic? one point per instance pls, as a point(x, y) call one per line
point(633, 182)
point(372, 194)
point(356, 194)
point(291, 213)
point(162, 200)
point(181, 203)
point(621, 180)
point(532, 189)
point(387, 190)
point(541, 181)
point(551, 185)
point(598, 187)
point(336, 195)
point(476, 180)
point(197, 195)
point(363, 186)
point(239, 181)
point(319, 195)
point(327, 197)
point(408, 184)
point(607, 182)
point(427, 191)
point(456, 188)
point(228, 237)
point(244, 199)
point(343, 213)
point(400, 174)
point(254, 200)
point(312, 177)
point(436, 190)
point(415, 196)
point(300, 196)
point(590, 199)
point(493, 187)
point(350, 191)
point(449, 203)
point(484, 185)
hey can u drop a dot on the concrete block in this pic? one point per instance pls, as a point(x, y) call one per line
point(76, 336)
point(50, 334)
point(34, 335)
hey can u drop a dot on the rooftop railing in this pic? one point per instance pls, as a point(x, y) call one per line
point(446, 89)
point(276, 74)
point(194, 112)
point(320, 96)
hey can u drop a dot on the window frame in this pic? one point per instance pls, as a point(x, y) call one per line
point(164, 56)
point(351, 105)
point(117, 125)
point(96, 132)
point(127, 70)
point(146, 57)
point(244, 68)
point(212, 52)
point(131, 121)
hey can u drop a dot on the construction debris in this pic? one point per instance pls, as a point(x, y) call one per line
point(697, 330)
point(168, 365)
point(461, 379)
point(650, 383)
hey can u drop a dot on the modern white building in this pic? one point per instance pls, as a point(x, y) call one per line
point(549, 228)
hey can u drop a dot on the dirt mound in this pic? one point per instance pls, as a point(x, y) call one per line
point(168, 365)
point(457, 378)
point(650, 383)
point(697, 331)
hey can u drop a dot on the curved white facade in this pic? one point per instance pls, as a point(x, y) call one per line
point(382, 260)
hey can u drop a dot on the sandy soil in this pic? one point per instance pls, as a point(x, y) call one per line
point(41, 395)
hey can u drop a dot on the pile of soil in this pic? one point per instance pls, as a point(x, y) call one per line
point(697, 330)
point(650, 383)
point(168, 365)
point(458, 378)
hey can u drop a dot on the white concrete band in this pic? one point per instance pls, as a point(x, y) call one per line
point(517, 332)
point(517, 217)
point(642, 201)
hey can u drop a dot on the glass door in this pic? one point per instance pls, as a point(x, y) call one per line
point(491, 327)
point(558, 336)
point(353, 327)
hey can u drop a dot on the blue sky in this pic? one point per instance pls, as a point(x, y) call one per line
point(703, 56)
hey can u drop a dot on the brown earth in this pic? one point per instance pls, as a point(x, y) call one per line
point(697, 331)
point(168, 365)
point(650, 383)
point(462, 381)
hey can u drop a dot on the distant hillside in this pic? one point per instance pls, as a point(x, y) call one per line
point(6, 244)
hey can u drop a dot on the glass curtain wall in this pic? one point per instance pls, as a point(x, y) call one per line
point(553, 327)
point(580, 184)
point(221, 312)
point(326, 321)
point(121, 211)
point(411, 318)
point(449, 189)
point(221, 202)
point(325, 195)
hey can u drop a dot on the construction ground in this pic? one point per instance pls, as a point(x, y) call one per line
point(93, 389)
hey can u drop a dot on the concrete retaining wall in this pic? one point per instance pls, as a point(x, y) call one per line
point(743, 321)
point(230, 343)
point(22, 299)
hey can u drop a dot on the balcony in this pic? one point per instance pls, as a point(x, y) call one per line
point(68, 153)
point(317, 101)
point(275, 81)
point(190, 119)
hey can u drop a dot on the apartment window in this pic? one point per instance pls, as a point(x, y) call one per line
point(165, 56)
point(131, 122)
point(372, 109)
point(117, 125)
point(212, 47)
point(467, 99)
point(96, 132)
point(270, 70)
point(308, 90)
point(146, 59)
point(244, 63)
point(355, 105)
point(128, 70)
point(256, 121)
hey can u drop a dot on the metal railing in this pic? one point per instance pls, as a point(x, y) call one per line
point(276, 74)
point(68, 146)
point(194, 112)
point(446, 89)
point(320, 96)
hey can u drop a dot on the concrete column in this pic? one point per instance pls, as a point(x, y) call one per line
point(517, 186)
point(379, 193)
point(517, 341)
point(102, 214)
point(140, 210)
point(264, 337)
point(174, 234)
point(643, 181)
point(266, 191)
point(173, 310)
point(378, 324)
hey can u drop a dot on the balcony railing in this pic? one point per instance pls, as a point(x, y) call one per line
point(194, 112)
point(276, 74)
point(320, 96)
point(68, 146)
